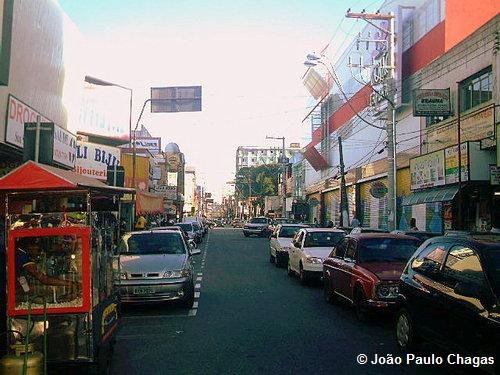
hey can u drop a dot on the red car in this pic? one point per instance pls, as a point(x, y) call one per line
point(364, 269)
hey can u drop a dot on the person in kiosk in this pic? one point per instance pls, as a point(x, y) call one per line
point(27, 258)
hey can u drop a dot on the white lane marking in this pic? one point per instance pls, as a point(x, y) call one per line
point(195, 305)
point(192, 312)
point(199, 278)
point(197, 286)
point(196, 294)
point(200, 274)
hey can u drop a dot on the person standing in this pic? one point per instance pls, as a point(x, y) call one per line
point(355, 222)
point(413, 224)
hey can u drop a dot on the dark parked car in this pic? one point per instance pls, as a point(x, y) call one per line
point(421, 235)
point(258, 226)
point(358, 230)
point(449, 294)
point(364, 269)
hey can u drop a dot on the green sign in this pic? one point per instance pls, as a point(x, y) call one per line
point(6, 11)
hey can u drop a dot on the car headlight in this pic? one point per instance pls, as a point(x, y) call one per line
point(387, 291)
point(120, 275)
point(314, 260)
point(176, 274)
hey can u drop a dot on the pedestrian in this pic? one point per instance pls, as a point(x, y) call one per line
point(140, 223)
point(413, 224)
point(330, 224)
point(354, 222)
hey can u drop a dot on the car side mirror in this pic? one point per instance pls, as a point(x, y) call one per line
point(466, 290)
point(192, 244)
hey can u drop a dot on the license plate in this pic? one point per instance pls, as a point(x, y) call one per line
point(143, 291)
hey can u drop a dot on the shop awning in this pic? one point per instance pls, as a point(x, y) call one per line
point(441, 194)
point(148, 203)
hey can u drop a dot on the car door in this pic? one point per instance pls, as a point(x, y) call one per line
point(423, 294)
point(294, 255)
point(465, 292)
point(332, 263)
point(345, 277)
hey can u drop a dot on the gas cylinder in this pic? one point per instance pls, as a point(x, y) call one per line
point(13, 363)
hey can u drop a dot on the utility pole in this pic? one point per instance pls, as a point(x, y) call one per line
point(344, 202)
point(383, 73)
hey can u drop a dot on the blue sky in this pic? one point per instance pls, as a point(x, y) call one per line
point(247, 55)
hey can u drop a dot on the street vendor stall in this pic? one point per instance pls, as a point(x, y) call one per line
point(61, 230)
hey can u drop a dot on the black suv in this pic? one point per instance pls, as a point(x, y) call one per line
point(449, 294)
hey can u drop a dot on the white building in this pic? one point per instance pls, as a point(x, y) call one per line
point(253, 156)
point(189, 190)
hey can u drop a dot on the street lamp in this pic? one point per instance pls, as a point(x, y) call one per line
point(283, 165)
point(100, 82)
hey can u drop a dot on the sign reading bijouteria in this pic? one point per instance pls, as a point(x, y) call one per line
point(92, 159)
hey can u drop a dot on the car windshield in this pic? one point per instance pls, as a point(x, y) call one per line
point(323, 239)
point(492, 253)
point(196, 226)
point(258, 220)
point(386, 249)
point(288, 232)
point(153, 243)
point(186, 226)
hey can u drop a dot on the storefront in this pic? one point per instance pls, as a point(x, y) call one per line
point(314, 201)
point(373, 203)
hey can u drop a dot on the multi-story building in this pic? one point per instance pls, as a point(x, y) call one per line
point(253, 156)
point(445, 50)
point(189, 191)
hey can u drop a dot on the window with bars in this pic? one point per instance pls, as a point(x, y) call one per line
point(476, 89)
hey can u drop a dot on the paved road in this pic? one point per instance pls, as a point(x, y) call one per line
point(251, 318)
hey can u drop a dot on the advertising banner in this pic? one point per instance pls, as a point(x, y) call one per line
point(152, 144)
point(427, 170)
point(19, 113)
point(451, 163)
point(93, 159)
point(172, 178)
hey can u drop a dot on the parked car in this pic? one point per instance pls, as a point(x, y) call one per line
point(281, 242)
point(258, 226)
point(280, 220)
point(310, 247)
point(177, 228)
point(192, 232)
point(449, 294)
point(364, 269)
point(237, 223)
point(155, 265)
point(358, 230)
point(421, 235)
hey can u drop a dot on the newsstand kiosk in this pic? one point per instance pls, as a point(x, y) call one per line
point(61, 231)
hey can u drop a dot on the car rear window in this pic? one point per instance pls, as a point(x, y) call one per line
point(259, 220)
point(153, 243)
point(186, 226)
point(323, 239)
point(288, 232)
point(386, 249)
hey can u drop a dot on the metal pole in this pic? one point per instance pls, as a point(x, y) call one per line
point(133, 144)
point(130, 121)
point(37, 138)
point(459, 141)
point(344, 203)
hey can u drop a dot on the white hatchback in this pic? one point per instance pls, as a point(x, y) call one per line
point(281, 242)
point(309, 248)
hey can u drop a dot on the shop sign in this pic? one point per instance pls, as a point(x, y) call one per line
point(19, 113)
point(173, 161)
point(474, 126)
point(92, 159)
point(427, 170)
point(451, 163)
point(494, 175)
point(431, 102)
point(152, 144)
point(172, 178)
point(378, 189)
point(168, 192)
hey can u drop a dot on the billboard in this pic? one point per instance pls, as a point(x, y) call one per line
point(176, 99)
point(152, 144)
point(427, 170)
point(431, 102)
point(93, 159)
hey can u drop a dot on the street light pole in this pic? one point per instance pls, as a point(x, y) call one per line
point(283, 166)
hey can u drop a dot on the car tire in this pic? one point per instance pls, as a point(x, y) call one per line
point(246, 234)
point(328, 292)
point(304, 279)
point(404, 332)
point(272, 259)
point(189, 301)
point(360, 305)
point(289, 270)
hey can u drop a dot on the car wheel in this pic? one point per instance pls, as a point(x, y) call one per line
point(328, 293)
point(302, 275)
point(361, 306)
point(246, 234)
point(189, 301)
point(277, 261)
point(289, 270)
point(272, 259)
point(406, 338)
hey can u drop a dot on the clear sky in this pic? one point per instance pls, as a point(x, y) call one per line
point(247, 55)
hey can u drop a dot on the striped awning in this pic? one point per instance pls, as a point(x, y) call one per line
point(439, 194)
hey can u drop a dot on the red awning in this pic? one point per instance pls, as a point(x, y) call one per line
point(35, 176)
point(148, 203)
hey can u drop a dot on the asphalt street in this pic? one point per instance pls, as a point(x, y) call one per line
point(251, 318)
